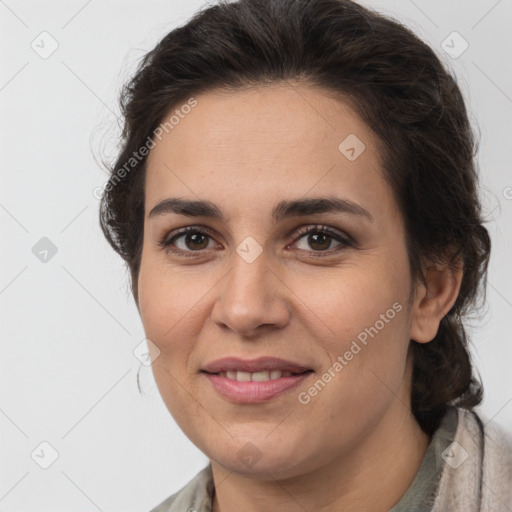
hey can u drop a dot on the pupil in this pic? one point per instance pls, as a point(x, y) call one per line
point(193, 238)
point(313, 240)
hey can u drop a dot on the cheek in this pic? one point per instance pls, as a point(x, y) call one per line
point(166, 304)
point(168, 300)
point(348, 301)
point(163, 306)
point(362, 324)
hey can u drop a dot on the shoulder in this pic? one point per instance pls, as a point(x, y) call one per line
point(195, 495)
point(477, 474)
point(488, 440)
point(496, 471)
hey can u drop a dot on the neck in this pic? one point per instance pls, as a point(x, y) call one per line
point(372, 476)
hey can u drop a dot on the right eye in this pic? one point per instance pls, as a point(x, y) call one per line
point(192, 240)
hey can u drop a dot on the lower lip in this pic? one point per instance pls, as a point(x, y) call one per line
point(253, 392)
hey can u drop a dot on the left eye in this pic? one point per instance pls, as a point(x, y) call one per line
point(320, 239)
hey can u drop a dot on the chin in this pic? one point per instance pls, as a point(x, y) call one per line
point(260, 457)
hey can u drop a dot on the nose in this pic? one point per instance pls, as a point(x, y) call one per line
point(252, 298)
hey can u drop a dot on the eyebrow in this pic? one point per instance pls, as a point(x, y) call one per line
point(283, 209)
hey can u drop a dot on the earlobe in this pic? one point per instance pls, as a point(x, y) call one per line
point(434, 299)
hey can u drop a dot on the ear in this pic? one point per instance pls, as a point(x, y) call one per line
point(434, 298)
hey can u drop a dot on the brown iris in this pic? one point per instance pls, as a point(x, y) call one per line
point(192, 239)
point(313, 239)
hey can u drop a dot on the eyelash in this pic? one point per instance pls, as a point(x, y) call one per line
point(345, 241)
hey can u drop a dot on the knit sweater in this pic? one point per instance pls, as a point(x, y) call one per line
point(467, 468)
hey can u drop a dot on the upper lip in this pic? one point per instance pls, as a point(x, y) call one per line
point(253, 365)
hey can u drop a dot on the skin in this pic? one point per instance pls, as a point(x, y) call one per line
point(356, 444)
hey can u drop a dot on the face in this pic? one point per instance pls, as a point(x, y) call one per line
point(275, 279)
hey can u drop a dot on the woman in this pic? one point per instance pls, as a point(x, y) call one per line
point(296, 200)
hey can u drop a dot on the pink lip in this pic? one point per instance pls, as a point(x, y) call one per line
point(254, 392)
point(253, 365)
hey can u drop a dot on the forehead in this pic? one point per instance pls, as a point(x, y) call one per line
point(265, 142)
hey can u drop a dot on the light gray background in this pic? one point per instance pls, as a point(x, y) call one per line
point(69, 325)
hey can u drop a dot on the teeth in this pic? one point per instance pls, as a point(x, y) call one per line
point(275, 374)
point(262, 376)
point(243, 376)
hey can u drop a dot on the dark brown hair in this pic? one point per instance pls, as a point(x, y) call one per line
point(398, 86)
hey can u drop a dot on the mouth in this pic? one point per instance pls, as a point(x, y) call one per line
point(253, 366)
point(253, 381)
point(261, 376)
